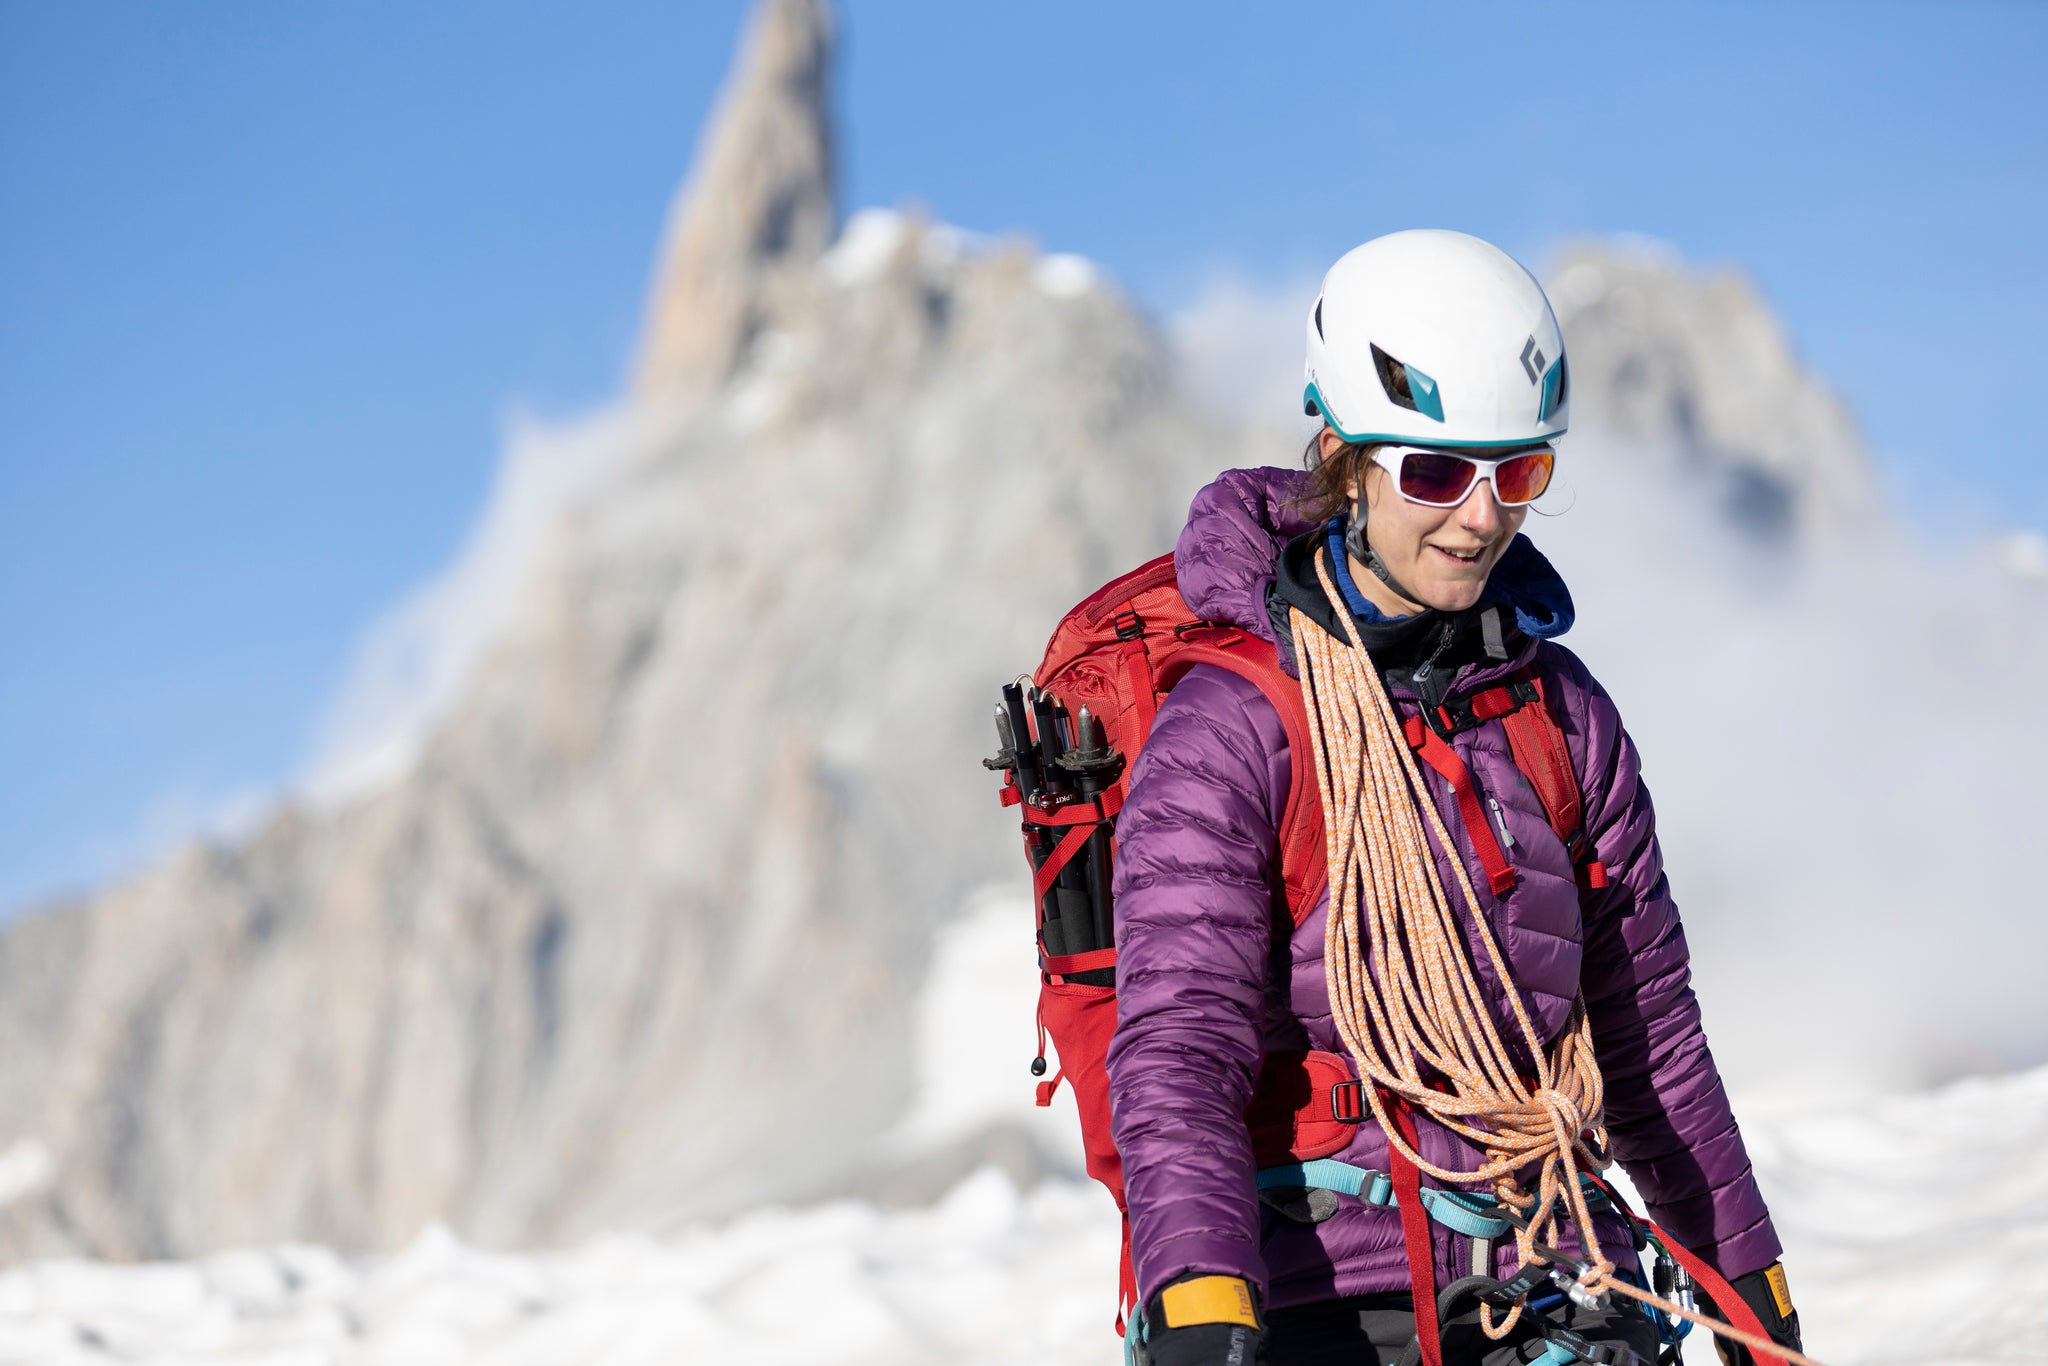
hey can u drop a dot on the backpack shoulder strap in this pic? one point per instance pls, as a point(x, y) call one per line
point(1304, 858)
point(1538, 745)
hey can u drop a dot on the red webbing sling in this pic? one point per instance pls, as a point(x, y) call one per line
point(1415, 1232)
point(1726, 1298)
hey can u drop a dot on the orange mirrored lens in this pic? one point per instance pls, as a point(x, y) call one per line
point(1523, 478)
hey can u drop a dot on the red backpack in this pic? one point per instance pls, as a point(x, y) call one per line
point(1067, 742)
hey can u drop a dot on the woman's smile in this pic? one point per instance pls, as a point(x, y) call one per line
point(1466, 558)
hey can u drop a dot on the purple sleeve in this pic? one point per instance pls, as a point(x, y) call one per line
point(1667, 1110)
point(1194, 933)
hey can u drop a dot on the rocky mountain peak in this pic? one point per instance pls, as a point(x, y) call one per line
point(760, 200)
point(1695, 367)
point(642, 911)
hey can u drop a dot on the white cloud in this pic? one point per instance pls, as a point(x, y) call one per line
point(1239, 346)
point(2023, 554)
point(411, 663)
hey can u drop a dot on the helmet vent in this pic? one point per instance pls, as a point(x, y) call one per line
point(1556, 388)
point(1319, 319)
point(1393, 378)
point(1408, 388)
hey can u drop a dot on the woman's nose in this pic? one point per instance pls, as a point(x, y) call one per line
point(1480, 513)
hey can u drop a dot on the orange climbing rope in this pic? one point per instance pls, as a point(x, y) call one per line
point(1403, 992)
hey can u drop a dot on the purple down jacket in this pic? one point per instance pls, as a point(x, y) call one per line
point(1204, 991)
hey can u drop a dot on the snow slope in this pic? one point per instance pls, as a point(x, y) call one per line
point(1917, 1228)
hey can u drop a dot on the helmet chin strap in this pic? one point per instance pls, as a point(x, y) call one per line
point(1355, 546)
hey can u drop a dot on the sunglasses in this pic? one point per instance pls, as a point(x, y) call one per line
point(1442, 479)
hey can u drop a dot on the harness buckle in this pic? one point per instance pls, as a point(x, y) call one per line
point(1129, 625)
point(1348, 1111)
point(1452, 717)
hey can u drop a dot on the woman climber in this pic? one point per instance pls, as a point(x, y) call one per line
point(1510, 985)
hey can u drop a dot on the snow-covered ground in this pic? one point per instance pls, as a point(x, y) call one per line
point(1917, 1229)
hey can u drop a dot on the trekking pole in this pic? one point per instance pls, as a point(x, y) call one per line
point(1070, 890)
point(1017, 734)
point(1096, 767)
point(1005, 761)
point(1020, 756)
point(1044, 711)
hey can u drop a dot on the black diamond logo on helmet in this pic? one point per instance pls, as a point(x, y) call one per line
point(1532, 361)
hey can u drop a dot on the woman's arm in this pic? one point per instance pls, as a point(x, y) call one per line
point(1194, 907)
point(1666, 1107)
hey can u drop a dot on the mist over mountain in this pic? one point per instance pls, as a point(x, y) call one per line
point(615, 885)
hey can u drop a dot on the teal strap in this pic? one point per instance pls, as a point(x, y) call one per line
point(1555, 1354)
point(1455, 1210)
point(1459, 1210)
point(1326, 1173)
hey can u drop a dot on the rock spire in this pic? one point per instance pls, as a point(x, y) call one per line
point(759, 201)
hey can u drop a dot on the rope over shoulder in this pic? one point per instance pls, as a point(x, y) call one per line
point(1404, 995)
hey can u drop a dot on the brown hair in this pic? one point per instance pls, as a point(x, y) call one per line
point(1326, 494)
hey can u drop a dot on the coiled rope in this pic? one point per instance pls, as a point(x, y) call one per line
point(1403, 992)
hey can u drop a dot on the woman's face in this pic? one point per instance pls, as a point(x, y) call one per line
point(1439, 555)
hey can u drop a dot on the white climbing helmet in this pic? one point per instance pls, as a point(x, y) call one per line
point(1435, 338)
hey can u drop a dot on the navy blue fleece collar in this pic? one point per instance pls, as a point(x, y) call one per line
point(1524, 582)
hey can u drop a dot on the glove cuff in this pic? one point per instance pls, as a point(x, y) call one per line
point(1208, 1299)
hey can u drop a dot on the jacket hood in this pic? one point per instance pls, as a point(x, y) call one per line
point(1237, 527)
point(1248, 553)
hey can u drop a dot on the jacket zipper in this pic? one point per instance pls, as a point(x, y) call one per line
point(1499, 818)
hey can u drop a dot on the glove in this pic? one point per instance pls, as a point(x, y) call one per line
point(1200, 1320)
point(1764, 1292)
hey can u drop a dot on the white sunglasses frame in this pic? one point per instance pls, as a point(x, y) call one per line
point(1390, 458)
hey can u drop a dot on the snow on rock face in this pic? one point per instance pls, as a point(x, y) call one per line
point(1892, 1254)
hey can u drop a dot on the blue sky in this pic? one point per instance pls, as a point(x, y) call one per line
point(273, 276)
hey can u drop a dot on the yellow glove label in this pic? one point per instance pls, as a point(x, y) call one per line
point(1774, 1277)
point(1208, 1299)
